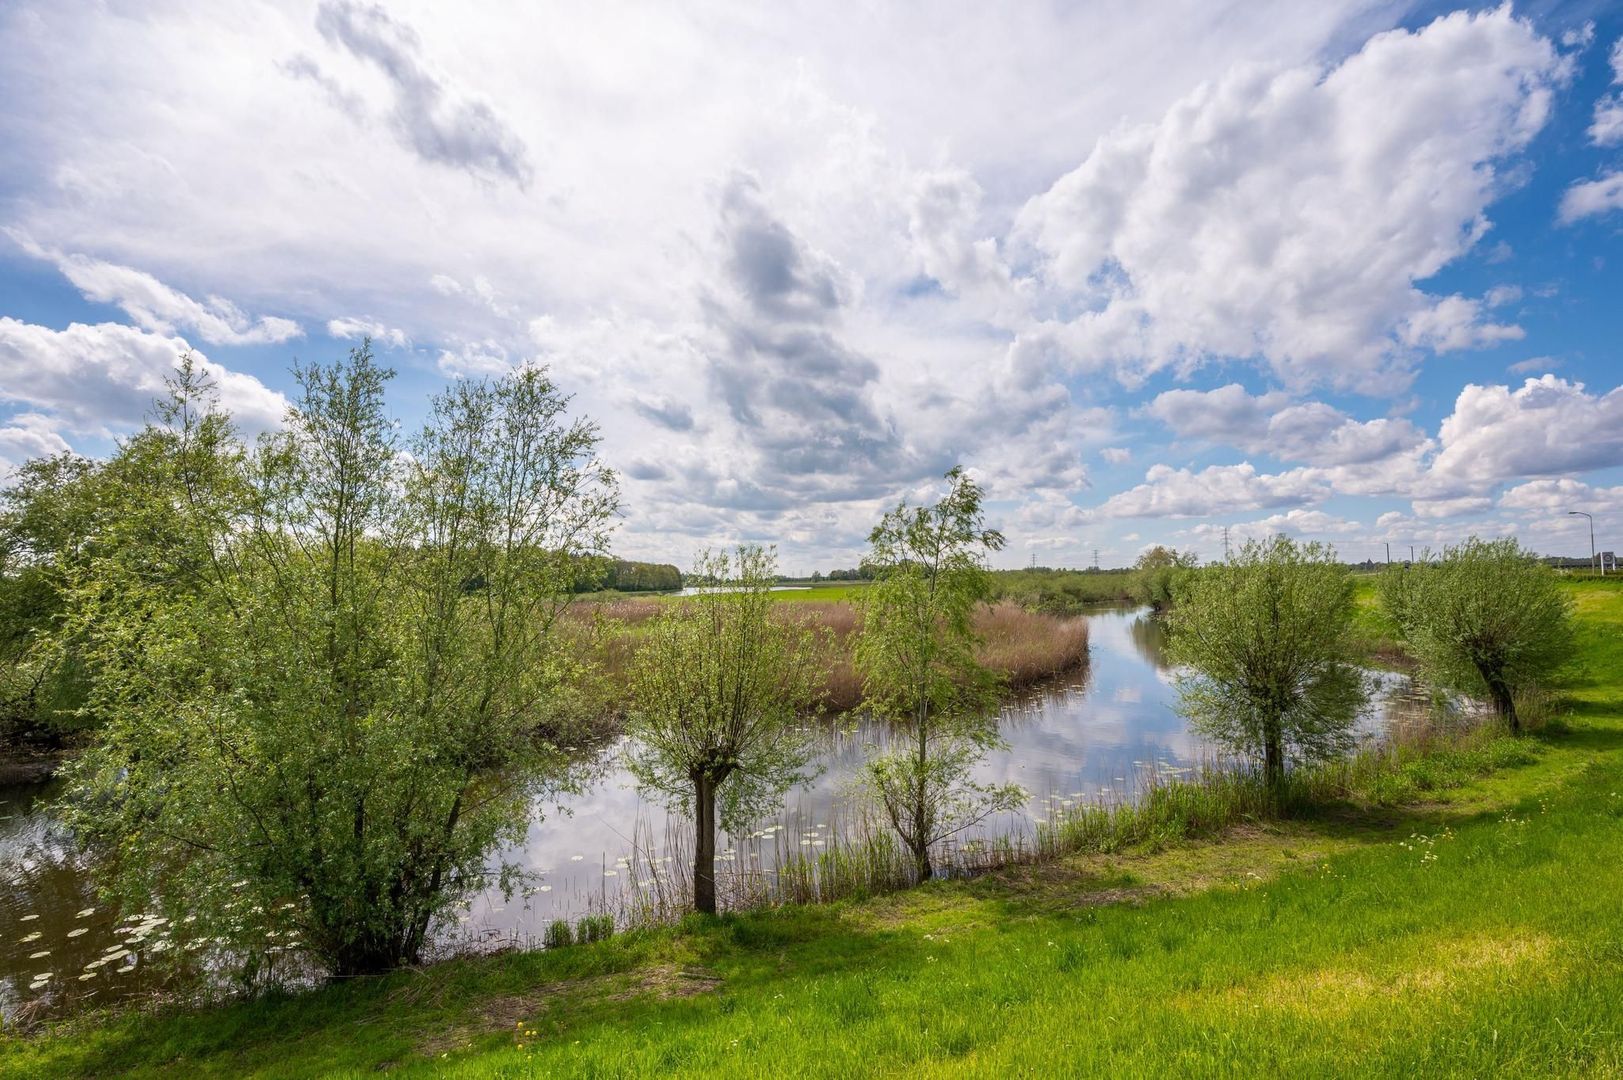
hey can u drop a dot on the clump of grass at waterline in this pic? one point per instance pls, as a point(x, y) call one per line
point(1411, 764)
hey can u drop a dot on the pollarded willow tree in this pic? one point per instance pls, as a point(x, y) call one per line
point(916, 656)
point(1266, 639)
point(720, 691)
point(1486, 618)
point(325, 663)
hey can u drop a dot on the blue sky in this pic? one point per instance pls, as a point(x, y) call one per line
point(1348, 271)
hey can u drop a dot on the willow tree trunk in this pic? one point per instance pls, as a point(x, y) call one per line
point(1273, 756)
point(705, 784)
point(921, 795)
point(1504, 701)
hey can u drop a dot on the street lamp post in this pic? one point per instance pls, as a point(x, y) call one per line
point(1591, 517)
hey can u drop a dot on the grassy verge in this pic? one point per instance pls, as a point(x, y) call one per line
point(1466, 922)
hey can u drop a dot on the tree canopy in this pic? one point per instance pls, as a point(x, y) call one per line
point(1266, 638)
point(324, 663)
point(916, 655)
point(719, 688)
point(1487, 617)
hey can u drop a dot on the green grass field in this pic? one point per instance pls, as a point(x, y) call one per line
point(828, 592)
point(1479, 932)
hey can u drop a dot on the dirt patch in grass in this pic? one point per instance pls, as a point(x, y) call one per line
point(513, 1012)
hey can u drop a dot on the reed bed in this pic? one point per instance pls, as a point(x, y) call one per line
point(1025, 647)
point(1028, 647)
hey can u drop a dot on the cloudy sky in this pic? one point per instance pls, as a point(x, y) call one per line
point(1348, 270)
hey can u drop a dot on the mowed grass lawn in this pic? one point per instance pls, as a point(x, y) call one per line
point(1478, 934)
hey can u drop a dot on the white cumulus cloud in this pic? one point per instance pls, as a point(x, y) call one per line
point(154, 306)
point(1288, 215)
point(101, 379)
point(1311, 432)
point(1547, 425)
point(1170, 492)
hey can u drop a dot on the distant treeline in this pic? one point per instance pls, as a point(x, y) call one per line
point(628, 575)
point(861, 573)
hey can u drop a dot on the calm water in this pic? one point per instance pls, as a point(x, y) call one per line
point(1095, 736)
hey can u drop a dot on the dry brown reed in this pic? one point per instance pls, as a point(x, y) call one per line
point(1025, 647)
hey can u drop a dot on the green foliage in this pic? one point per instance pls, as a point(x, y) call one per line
point(47, 516)
point(593, 928)
point(1158, 574)
point(626, 575)
point(916, 655)
point(716, 690)
point(559, 934)
point(858, 573)
point(1061, 592)
point(1487, 618)
point(324, 665)
point(1267, 638)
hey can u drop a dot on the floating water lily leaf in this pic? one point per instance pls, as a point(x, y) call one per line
point(76, 933)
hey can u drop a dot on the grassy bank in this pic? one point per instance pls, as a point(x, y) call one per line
point(1461, 920)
